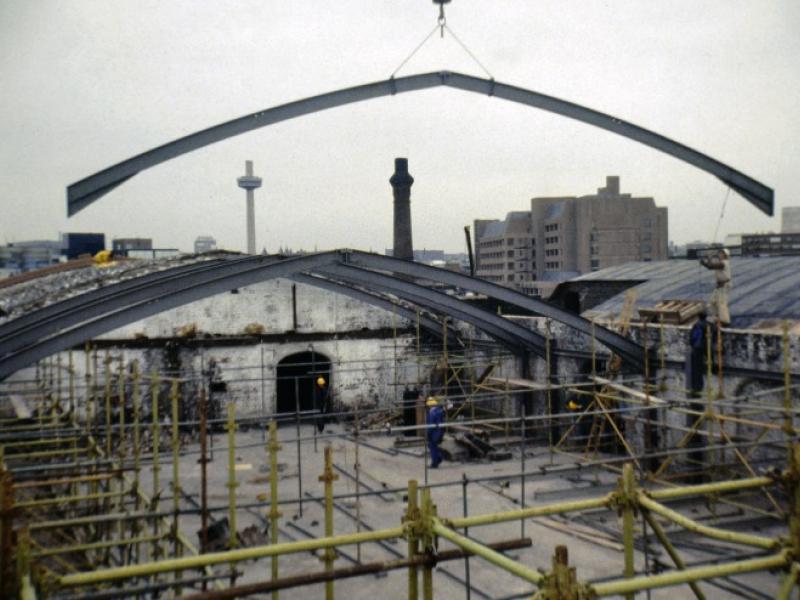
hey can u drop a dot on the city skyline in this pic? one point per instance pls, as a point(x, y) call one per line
point(91, 84)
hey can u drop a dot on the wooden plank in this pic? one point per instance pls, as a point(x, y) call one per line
point(20, 407)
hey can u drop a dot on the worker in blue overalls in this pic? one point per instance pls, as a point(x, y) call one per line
point(435, 432)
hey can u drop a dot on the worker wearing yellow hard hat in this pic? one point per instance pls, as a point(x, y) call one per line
point(321, 401)
point(572, 405)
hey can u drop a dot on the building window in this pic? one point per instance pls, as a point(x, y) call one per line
point(595, 264)
point(510, 242)
point(510, 254)
point(510, 266)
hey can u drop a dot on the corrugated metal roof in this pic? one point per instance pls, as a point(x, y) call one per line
point(762, 289)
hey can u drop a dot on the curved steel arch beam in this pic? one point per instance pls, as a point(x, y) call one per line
point(27, 329)
point(73, 311)
point(131, 306)
point(630, 351)
point(82, 193)
point(54, 314)
point(510, 334)
point(161, 298)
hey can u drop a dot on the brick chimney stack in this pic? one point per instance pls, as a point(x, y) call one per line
point(401, 182)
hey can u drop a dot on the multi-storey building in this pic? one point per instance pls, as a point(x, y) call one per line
point(770, 244)
point(561, 237)
point(28, 256)
point(504, 250)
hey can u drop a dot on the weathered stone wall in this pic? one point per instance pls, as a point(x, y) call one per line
point(266, 305)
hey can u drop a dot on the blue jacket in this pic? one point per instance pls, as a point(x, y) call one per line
point(697, 335)
point(435, 417)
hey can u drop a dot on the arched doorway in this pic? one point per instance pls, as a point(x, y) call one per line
point(295, 381)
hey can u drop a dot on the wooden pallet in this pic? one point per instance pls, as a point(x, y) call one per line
point(673, 312)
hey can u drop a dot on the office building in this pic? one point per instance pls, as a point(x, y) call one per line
point(561, 237)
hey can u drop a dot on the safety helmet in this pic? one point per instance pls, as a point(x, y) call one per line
point(320, 381)
point(432, 401)
point(572, 405)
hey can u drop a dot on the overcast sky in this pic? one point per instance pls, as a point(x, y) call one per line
point(87, 83)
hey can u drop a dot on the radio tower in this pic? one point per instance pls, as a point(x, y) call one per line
point(250, 183)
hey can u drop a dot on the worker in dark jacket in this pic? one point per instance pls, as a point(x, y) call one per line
point(435, 432)
point(697, 356)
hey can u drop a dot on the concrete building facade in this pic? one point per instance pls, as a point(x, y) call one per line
point(770, 244)
point(561, 237)
point(28, 256)
point(505, 252)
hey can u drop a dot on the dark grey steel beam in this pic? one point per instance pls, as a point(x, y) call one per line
point(83, 322)
point(57, 310)
point(628, 350)
point(114, 297)
point(508, 332)
point(338, 287)
point(133, 305)
point(171, 295)
point(82, 193)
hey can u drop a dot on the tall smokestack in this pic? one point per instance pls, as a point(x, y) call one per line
point(401, 182)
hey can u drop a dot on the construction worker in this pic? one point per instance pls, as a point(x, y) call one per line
point(572, 405)
point(435, 433)
point(321, 401)
point(719, 263)
point(697, 355)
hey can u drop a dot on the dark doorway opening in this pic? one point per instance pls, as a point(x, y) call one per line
point(296, 381)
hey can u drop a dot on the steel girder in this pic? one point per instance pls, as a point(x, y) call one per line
point(509, 333)
point(23, 331)
point(120, 304)
point(627, 349)
point(82, 193)
point(161, 296)
point(80, 309)
point(338, 287)
point(52, 313)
